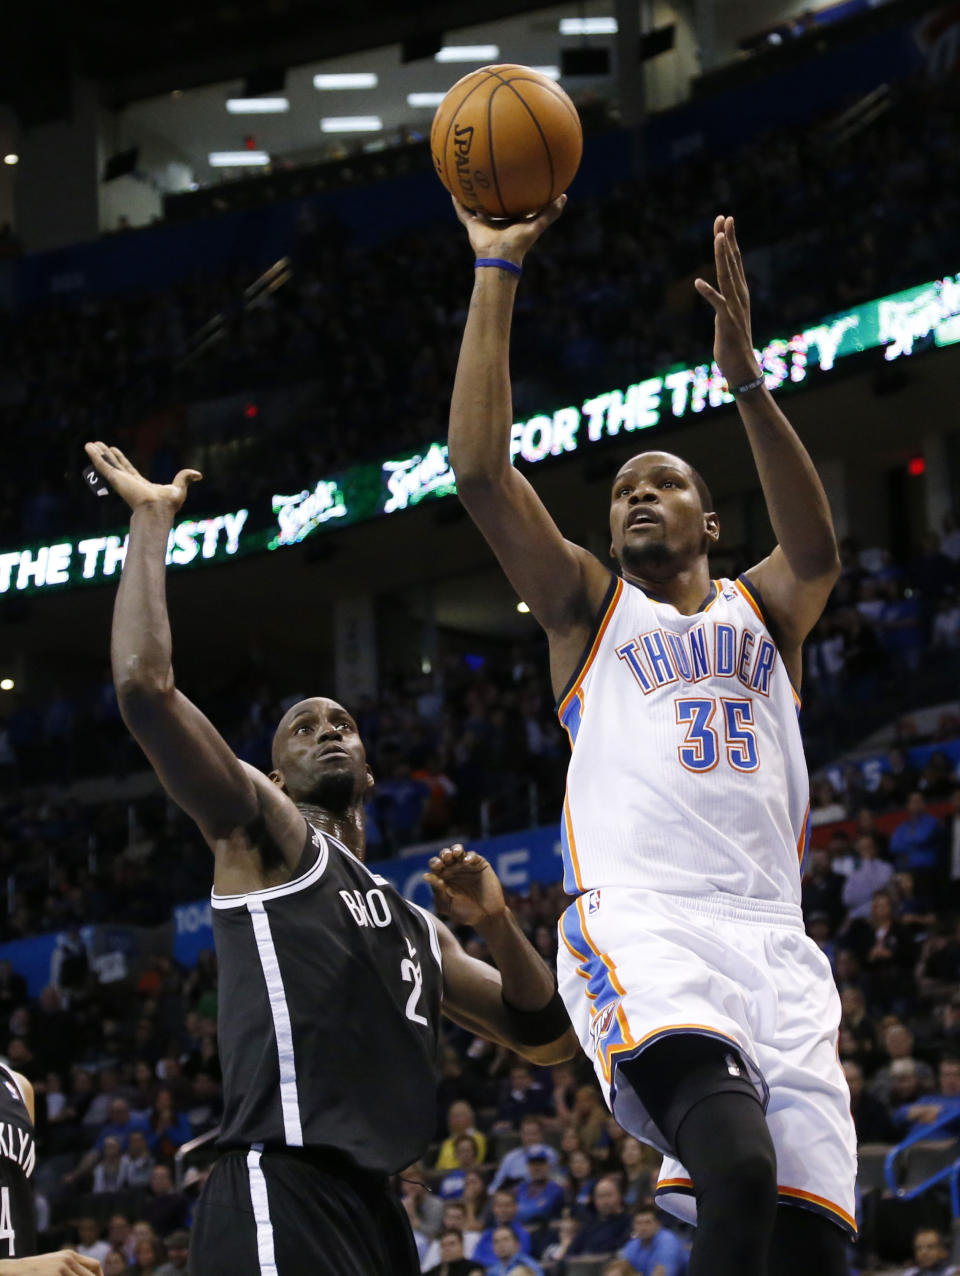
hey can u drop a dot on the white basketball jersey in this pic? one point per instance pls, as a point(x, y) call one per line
point(687, 774)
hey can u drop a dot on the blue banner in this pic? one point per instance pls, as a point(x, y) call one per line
point(517, 858)
point(873, 767)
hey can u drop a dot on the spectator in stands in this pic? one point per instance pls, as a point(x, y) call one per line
point(110, 1174)
point(460, 1120)
point(115, 1264)
point(639, 1165)
point(140, 1160)
point(453, 1260)
point(120, 1125)
point(558, 1241)
point(89, 1244)
point(930, 1253)
point(177, 1245)
point(474, 1201)
point(608, 1230)
point(872, 1118)
point(885, 948)
point(854, 1019)
point(941, 1109)
point(524, 1095)
point(870, 875)
point(917, 843)
point(588, 1116)
point(508, 1256)
point(825, 806)
point(120, 1235)
point(898, 1046)
point(420, 1237)
point(503, 1207)
point(465, 1150)
point(165, 1209)
point(168, 1130)
point(654, 1250)
point(539, 1197)
point(454, 1219)
point(513, 1165)
point(618, 1267)
point(146, 1257)
point(579, 1181)
point(822, 889)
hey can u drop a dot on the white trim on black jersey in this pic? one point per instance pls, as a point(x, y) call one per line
point(312, 875)
point(431, 921)
point(282, 1028)
point(15, 1080)
point(266, 1257)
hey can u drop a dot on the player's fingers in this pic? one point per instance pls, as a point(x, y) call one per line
point(716, 299)
point(100, 456)
point(718, 224)
point(549, 215)
point(121, 461)
point(186, 477)
point(463, 214)
point(86, 1265)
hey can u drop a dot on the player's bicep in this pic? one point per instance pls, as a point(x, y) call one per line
point(192, 760)
point(560, 582)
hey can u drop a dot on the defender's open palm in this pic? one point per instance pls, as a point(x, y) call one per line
point(465, 887)
point(509, 240)
point(127, 481)
point(733, 337)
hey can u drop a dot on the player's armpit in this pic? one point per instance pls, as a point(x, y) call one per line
point(791, 606)
point(473, 998)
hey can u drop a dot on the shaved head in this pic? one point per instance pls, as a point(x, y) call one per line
point(706, 500)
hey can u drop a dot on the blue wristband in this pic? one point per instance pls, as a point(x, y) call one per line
point(511, 266)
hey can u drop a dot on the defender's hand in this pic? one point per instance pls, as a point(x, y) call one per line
point(64, 1263)
point(465, 887)
point(130, 484)
point(510, 240)
point(733, 338)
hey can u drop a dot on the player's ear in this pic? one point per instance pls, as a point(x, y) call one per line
point(370, 782)
point(278, 780)
point(711, 527)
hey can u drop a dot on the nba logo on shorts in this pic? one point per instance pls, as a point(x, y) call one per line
point(603, 1022)
point(593, 902)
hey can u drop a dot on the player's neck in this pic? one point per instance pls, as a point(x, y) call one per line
point(347, 827)
point(687, 590)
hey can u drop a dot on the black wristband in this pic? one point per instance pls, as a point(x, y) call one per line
point(748, 385)
point(538, 1027)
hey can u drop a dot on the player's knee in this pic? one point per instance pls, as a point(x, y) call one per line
point(751, 1177)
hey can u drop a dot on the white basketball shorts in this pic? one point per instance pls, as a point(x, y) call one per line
point(636, 966)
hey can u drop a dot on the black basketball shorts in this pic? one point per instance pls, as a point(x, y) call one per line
point(298, 1213)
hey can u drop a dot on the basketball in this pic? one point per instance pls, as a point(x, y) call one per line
point(506, 140)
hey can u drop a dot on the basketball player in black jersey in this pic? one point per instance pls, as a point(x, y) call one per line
point(330, 982)
point(18, 1218)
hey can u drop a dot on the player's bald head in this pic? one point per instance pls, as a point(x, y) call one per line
point(304, 710)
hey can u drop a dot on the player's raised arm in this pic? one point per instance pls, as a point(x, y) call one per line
point(794, 582)
point(192, 760)
point(562, 584)
point(516, 1005)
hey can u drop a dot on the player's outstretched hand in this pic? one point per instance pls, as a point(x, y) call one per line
point(733, 336)
point(66, 1262)
point(509, 240)
point(465, 887)
point(129, 483)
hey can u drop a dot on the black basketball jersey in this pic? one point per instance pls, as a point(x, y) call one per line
point(18, 1156)
point(329, 1007)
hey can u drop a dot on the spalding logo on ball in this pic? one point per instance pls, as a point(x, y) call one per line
point(506, 140)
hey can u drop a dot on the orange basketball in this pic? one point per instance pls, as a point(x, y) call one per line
point(506, 140)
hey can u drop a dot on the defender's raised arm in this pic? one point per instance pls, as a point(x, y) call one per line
point(192, 760)
point(562, 584)
point(795, 580)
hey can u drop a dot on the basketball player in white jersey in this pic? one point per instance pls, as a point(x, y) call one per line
point(710, 1017)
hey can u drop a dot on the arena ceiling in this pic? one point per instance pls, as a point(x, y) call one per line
point(153, 46)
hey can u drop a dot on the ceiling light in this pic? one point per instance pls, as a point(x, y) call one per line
point(425, 99)
point(7, 684)
point(551, 72)
point(238, 159)
point(257, 105)
point(351, 124)
point(11, 158)
point(588, 26)
point(523, 609)
point(347, 80)
point(467, 53)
